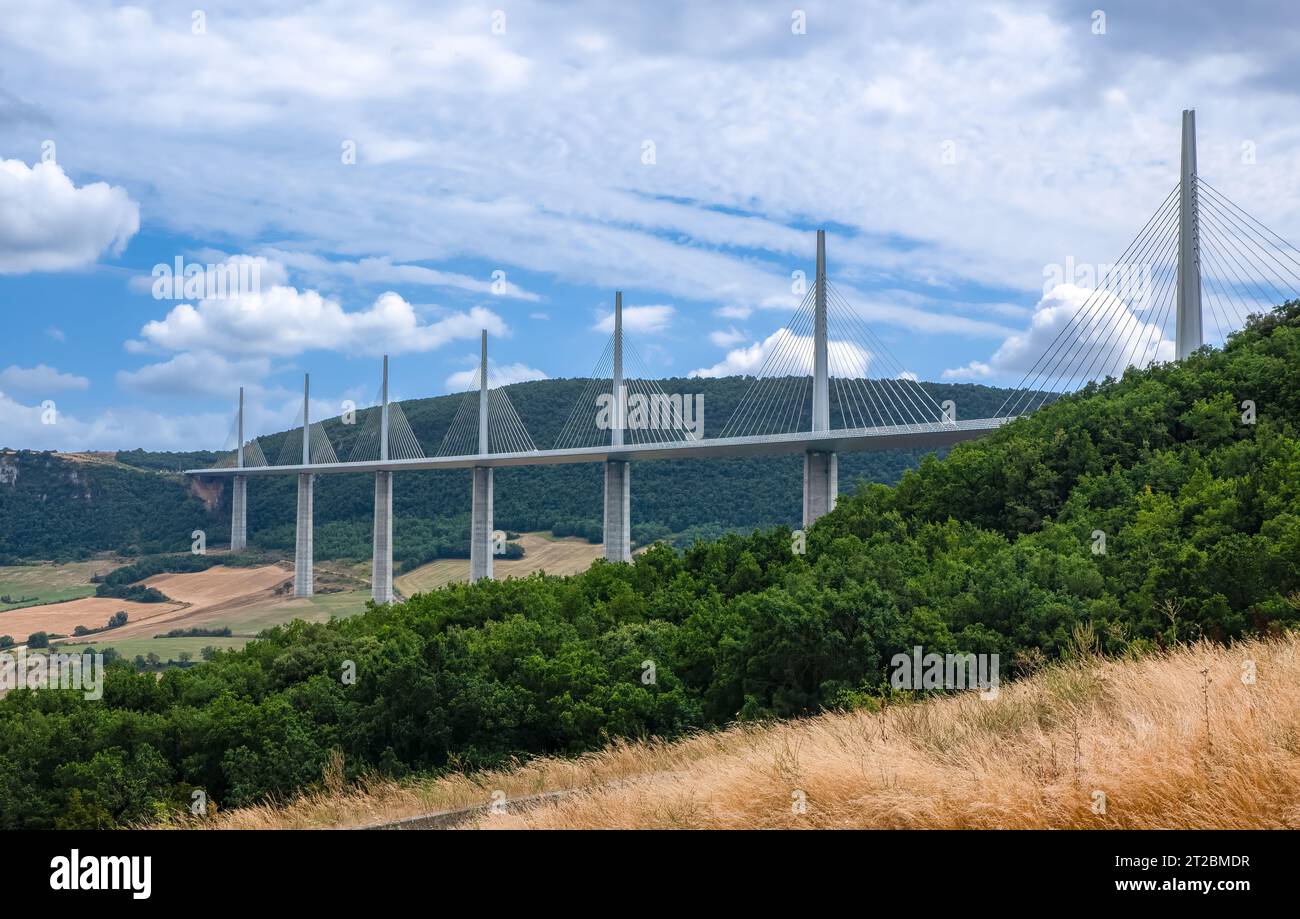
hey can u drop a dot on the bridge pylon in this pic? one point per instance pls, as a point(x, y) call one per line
point(239, 489)
point(381, 565)
point(820, 468)
point(1187, 323)
point(303, 551)
point(617, 523)
point(480, 521)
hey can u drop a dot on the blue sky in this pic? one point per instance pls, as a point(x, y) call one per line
point(955, 152)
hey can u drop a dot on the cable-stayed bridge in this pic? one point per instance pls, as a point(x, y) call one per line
point(826, 385)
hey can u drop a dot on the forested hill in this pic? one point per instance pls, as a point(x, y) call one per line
point(993, 549)
point(57, 506)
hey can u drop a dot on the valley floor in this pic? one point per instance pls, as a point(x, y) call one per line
point(1200, 737)
point(59, 597)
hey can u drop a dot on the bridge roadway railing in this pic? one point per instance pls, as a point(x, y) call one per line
point(912, 436)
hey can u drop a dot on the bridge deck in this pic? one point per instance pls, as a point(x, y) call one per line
point(901, 437)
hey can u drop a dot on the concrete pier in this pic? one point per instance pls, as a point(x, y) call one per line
point(302, 556)
point(239, 491)
point(618, 518)
point(821, 484)
point(381, 565)
point(618, 491)
point(480, 515)
point(239, 513)
point(480, 525)
point(381, 569)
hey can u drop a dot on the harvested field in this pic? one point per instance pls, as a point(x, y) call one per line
point(542, 552)
point(92, 612)
point(47, 582)
point(205, 597)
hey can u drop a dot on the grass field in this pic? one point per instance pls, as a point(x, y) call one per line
point(542, 552)
point(1177, 740)
point(320, 608)
point(167, 649)
point(49, 582)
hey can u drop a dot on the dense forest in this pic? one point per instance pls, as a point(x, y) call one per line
point(991, 549)
point(52, 507)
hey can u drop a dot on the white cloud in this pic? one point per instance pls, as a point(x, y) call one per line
point(56, 333)
point(284, 321)
point(846, 359)
point(1107, 337)
point(725, 338)
point(24, 427)
point(721, 218)
point(267, 411)
point(255, 271)
point(383, 270)
point(48, 224)
point(886, 94)
point(975, 370)
point(648, 320)
point(734, 312)
point(498, 375)
point(195, 374)
point(40, 379)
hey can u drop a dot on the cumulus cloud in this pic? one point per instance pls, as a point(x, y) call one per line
point(1106, 337)
point(645, 319)
point(975, 370)
point(498, 375)
point(49, 224)
point(284, 321)
point(846, 359)
point(233, 274)
point(532, 187)
point(194, 374)
point(32, 427)
point(40, 379)
point(725, 338)
point(888, 81)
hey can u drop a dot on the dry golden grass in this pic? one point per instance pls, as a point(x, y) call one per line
point(1177, 740)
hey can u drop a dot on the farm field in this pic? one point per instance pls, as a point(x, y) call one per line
point(263, 614)
point(167, 649)
point(92, 612)
point(49, 582)
point(202, 598)
point(245, 600)
point(542, 552)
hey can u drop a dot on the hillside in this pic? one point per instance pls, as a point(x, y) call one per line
point(1175, 740)
point(65, 506)
point(990, 550)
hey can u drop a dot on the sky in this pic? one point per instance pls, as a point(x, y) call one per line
point(392, 178)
